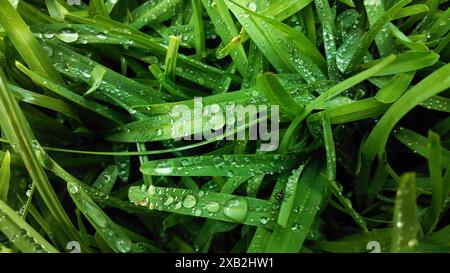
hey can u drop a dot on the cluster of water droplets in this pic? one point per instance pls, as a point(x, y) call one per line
point(198, 204)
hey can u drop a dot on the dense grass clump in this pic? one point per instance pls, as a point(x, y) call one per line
point(89, 156)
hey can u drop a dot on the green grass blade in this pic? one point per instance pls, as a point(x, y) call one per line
point(211, 205)
point(435, 167)
point(106, 228)
point(20, 135)
point(310, 192)
point(5, 175)
point(24, 237)
point(404, 232)
point(27, 45)
point(105, 181)
point(226, 165)
point(376, 141)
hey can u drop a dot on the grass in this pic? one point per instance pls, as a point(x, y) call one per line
point(87, 149)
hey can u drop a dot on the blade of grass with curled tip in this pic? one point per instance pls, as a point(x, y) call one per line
point(404, 231)
point(96, 79)
point(170, 64)
point(5, 174)
point(21, 234)
point(211, 205)
point(225, 27)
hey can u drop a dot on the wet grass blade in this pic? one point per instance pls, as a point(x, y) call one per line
point(211, 205)
point(310, 193)
point(21, 137)
point(405, 224)
point(24, 41)
point(226, 165)
point(24, 237)
point(105, 181)
point(5, 175)
point(106, 228)
point(435, 166)
point(225, 27)
point(376, 141)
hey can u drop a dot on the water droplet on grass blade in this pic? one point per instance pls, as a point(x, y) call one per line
point(189, 201)
point(151, 190)
point(197, 212)
point(252, 6)
point(73, 189)
point(123, 246)
point(236, 209)
point(67, 35)
point(169, 201)
point(213, 207)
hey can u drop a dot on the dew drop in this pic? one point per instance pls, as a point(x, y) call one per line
point(73, 189)
point(67, 35)
point(252, 6)
point(412, 243)
point(236, 209)
point(151, 190)
point(101, 36)
point(197, 212)
point(189, 201)
point(263, 220)
point(123, 246)
point(213, 207)
point(169, 201)
point(177, 205)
